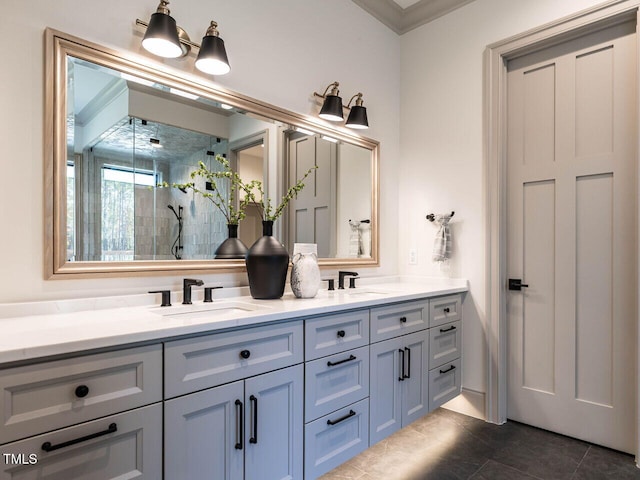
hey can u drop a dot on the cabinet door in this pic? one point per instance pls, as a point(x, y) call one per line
point(385, 412)
point(274, 425)
point(415, 394)
point(203, 435)
point(127, 445)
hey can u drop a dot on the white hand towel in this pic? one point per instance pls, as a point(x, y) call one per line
point(355, 240)
point(442, 243)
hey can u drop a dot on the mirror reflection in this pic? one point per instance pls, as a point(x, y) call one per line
point(127, 134)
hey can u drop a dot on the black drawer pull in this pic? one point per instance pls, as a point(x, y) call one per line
point(341, 333)
point(47, 447)
point(341, 419)
point(254, 408)
point(402, 375)
point(442, 330)
point(452, 367)
point(403, 319)
point(245, 354)
point(333, 364)
point(446, 310)
point(82, 391)
point(239, 425)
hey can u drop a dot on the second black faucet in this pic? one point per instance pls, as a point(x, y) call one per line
point(187, 283)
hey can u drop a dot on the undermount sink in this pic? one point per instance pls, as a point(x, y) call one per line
point(365, 293)
point(204, 311)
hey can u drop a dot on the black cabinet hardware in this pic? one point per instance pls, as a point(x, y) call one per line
point(452, 367)
point(82, 391)
point(516, 284)
point(333, 364)
point(341, 333)
point(239, 425)
point(166, 297)
point(254, 408)
point(408, 350)
point(446, 309)
point(442, 330)
point(208, 294)
point(245, 354)
point(403, 319)
point(341, 419)
point(47, 447)
point(401, 377)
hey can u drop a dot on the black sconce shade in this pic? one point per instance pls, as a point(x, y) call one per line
point(332, 109)
point(357, 118)
point(161, 37)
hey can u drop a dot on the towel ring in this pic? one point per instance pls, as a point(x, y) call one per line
point(431, 217)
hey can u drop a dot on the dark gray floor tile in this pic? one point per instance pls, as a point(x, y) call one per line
point(493, 470)
point(604, 464)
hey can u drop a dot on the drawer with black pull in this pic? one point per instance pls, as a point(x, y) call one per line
point(445, 383)
point(335, 438)
point(399, 319)
point(445, 343)
point(335, 333)
point(125, 445)
point(335, 381)
point(445, 309)
point(45, 396)
point(202, 362)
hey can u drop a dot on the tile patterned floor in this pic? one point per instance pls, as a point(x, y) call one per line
point(446, 445)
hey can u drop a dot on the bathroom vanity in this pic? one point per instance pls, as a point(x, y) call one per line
point(233, 389)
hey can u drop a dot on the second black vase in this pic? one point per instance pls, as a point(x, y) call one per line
point(232, 247)
point(267, 264)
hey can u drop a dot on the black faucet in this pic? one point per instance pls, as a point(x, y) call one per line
point(341, 276)
point(187, 283)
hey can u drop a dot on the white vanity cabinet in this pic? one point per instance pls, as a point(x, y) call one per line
point(249, 428)
point(101, 413)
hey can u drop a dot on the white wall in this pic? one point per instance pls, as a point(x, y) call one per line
point(441, 144)
point(280, 52)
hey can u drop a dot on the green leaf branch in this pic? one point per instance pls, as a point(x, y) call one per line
point(266, 209)
point(227, 206)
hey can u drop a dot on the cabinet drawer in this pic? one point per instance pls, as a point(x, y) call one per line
point(198, 363)
point(335, 438)
point(399, 319)
point(336, 333)
point(445, 310)
point(46, 396)
point(445, 343)
point(335, 381)
point(444, 383)
point(93, 451)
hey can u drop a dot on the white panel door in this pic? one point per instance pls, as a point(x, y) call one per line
point(572, 237)
point(312, 213)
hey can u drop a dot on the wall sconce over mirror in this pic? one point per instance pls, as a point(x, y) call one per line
point(332, 108)
point(164, 38)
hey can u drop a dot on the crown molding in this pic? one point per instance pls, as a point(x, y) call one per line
point(401, 20)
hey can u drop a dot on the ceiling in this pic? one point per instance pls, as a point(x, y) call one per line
point(402, 16)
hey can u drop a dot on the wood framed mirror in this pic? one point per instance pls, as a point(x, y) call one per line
point(117, 125)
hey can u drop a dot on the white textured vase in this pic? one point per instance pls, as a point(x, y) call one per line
point(305, 275)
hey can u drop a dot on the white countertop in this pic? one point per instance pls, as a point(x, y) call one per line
point(69, 326)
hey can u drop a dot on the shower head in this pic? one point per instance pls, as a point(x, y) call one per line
point(170, 207)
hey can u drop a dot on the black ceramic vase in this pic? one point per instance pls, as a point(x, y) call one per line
point(267, 264)
point(232, 247)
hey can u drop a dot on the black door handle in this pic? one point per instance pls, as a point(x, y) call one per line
point(443, 330)
point(245, 354)
point(47, 447)
point(341, 333)
point(239, 425)
point(516, 284)
point(401, 377)
point(254, 409)
point(403, 319)
point(452, 367)
point(408, 375)
point(82, 391)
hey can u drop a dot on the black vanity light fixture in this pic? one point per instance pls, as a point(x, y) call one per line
point(164, 38)
point(332, 108)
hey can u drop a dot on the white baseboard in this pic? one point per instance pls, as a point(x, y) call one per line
point(469, 402)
